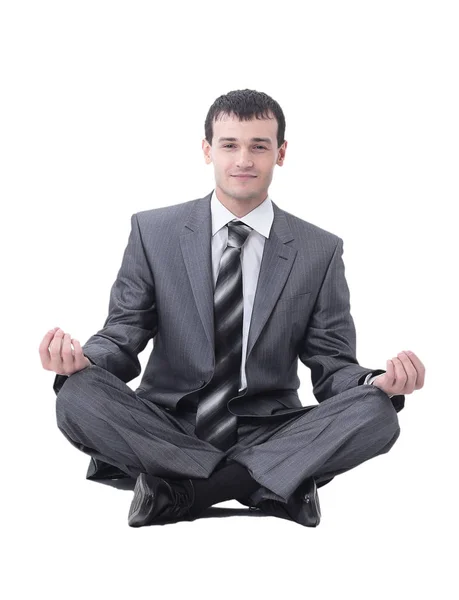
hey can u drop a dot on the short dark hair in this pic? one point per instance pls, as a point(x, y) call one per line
point(245, 104)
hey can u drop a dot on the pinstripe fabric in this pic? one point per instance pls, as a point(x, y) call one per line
point(164, 292)
point(101, 416)
point(213, 421)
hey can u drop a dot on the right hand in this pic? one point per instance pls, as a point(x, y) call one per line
point(56, 353)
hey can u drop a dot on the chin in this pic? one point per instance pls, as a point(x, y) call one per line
point(240, 196)
point(236, 192)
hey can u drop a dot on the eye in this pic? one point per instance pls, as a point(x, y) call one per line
point(258, 146)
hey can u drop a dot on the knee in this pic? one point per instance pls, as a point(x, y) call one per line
point(71, 399)
point(380, 415)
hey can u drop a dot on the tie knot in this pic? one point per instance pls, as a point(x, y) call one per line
point(237, 233)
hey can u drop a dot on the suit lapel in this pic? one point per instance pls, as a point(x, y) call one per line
point(276, 264)
point(196, 245)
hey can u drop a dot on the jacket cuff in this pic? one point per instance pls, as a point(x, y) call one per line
point(398, 400)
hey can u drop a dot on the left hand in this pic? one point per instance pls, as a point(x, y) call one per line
point(404, 374)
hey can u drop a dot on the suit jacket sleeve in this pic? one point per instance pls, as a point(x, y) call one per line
point(329, 344)
point(132, 316)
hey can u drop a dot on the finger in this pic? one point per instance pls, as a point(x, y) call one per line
point(78, 354)
point(43, 349)
point(410, 371)
point(67, 354)
point(390, 372)
point(55, 352)
point(400, 376)
point(420, 369)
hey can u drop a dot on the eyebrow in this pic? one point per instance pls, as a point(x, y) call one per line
point(254, 139)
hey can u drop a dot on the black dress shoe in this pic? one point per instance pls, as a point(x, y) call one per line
point(158, 500)
point(303, 507)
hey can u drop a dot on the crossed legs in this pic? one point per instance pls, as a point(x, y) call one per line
point(101, 416)
point(333, 437)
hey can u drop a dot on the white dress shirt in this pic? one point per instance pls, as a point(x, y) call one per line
point(260, 219)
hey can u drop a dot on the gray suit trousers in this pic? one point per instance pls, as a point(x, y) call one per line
point(103, 417)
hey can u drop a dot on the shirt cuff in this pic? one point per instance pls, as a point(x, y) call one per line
point(369, 381)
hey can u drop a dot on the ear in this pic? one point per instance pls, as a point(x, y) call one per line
point(207, 150)
point(281, 153)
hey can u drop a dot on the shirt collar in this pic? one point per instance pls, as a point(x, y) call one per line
point(260, 218)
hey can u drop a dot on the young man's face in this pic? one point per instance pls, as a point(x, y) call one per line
point(243, 165)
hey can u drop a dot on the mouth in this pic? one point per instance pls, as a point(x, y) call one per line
point(244, 176)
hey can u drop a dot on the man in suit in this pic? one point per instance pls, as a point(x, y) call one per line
point(233, 290)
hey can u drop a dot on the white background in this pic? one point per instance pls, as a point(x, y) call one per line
point(102, 115)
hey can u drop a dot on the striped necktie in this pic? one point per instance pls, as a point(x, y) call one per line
point(214, 423)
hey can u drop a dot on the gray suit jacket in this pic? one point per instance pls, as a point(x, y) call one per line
point(164, 290)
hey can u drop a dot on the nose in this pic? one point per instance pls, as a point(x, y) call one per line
point(243, 160)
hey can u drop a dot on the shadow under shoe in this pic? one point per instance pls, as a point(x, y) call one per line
point(157, 500)
point(303, 506)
